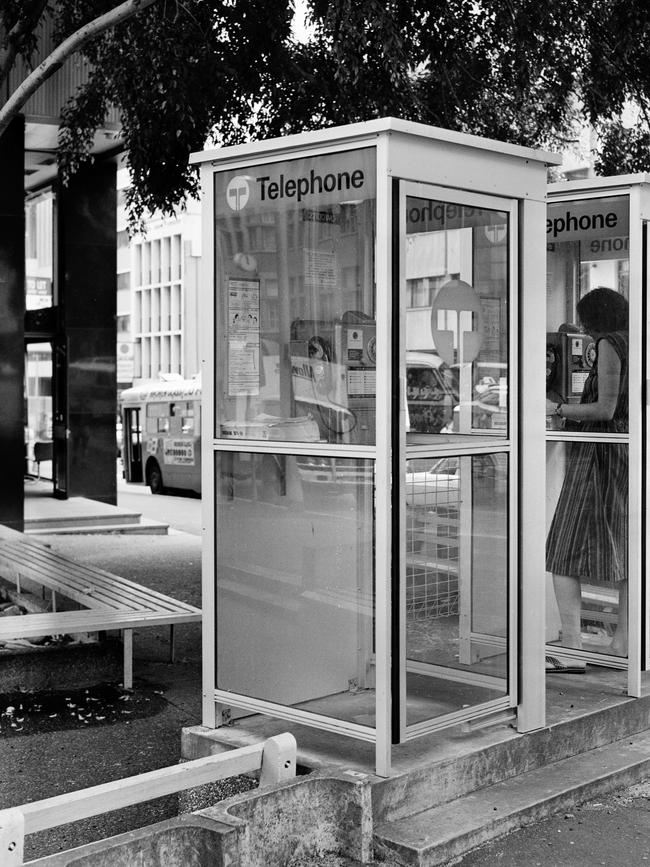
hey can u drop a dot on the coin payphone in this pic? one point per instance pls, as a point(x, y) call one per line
point(333, 372)
point(569, 358)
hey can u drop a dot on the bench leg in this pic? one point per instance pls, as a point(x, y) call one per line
point(127, 638)
point(171, 642)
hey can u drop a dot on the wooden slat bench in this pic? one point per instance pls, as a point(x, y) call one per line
point(108, 601)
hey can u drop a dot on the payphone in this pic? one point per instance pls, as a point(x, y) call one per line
point(333, 375)
point(570, 356)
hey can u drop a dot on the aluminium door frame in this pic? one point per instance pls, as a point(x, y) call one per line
point(463, 446)
point(637, 425)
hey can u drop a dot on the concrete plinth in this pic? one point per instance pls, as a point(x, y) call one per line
point(60, 667)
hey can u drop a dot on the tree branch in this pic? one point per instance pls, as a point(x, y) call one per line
point(61, 53)
point(23, 27)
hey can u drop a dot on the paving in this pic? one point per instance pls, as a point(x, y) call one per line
point(45, 514)
point(60, 758)
point(608, 828)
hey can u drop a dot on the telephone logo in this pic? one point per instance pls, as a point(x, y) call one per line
point(496, 233)
point(457, 323)
point(238, 193)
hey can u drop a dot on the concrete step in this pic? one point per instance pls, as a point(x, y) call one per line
point(46, 514)
point(143, 527)
point(443, 833)
point(90, 519)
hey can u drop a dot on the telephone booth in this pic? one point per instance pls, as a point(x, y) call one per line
point(372, 424)
point(597, 236)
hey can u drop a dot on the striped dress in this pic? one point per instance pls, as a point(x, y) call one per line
point(588, 537)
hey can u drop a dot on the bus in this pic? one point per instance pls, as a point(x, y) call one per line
point(161, 424)
point(161, 435)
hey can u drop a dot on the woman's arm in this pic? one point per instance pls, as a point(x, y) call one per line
point(609, 375)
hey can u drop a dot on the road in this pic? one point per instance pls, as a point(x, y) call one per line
point(180, 512)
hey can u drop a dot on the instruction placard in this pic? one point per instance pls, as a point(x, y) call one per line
point(243, 337)
point(319, 269)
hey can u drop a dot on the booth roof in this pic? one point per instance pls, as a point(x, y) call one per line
point(367, 130)
point(614, 182)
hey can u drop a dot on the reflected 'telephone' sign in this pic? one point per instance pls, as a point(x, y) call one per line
point(586, 219)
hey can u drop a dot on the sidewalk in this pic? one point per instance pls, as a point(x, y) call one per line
point(35, 766)
point(44, 513)
point(612, 831)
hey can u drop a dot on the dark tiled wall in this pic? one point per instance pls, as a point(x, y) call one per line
point(87, 290)
point(12, 317)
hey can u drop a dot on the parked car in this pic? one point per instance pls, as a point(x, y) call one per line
point(432, 485)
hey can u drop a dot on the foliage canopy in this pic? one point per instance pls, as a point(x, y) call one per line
point(182, 71)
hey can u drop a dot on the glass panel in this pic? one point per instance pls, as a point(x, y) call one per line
point(294, 581)
point(457, 580)
point(295, 339)
point(587, 394)
point(456, 320)
point(587, 251)
point(586, 549)
point(38, 396)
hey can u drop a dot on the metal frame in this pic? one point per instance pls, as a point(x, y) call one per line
point(645, 600)
point(462, 445)
point(380, 734)
point(634, 187)
point(384, 619)
point(643, 202)
point(211, 713)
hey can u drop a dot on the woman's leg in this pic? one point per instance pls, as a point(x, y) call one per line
point(569, 601)
point(619, 642)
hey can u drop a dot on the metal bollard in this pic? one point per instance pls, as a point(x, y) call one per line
point(12, 838)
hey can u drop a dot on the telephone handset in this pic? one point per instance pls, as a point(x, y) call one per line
point(552, 365)
point(319, 353)
point(319, 348)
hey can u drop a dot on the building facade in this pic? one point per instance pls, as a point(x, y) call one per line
point(157, 289)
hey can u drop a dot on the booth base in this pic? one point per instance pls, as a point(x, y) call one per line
point(448, 793)
point(456, 789)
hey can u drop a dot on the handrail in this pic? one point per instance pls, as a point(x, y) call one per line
point(275, 757)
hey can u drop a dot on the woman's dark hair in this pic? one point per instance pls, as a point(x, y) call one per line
point(602, 311)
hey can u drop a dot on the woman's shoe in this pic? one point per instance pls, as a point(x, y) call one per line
point(556, 666)
point(616, 649)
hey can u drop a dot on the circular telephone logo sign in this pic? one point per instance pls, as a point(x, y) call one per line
point(238, 193)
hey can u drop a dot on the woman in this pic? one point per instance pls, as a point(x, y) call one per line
point(588, 536)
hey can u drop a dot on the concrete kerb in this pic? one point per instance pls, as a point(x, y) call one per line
point(313, 816)
point(332, 806)
point(168, 843)
point(323, 813)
